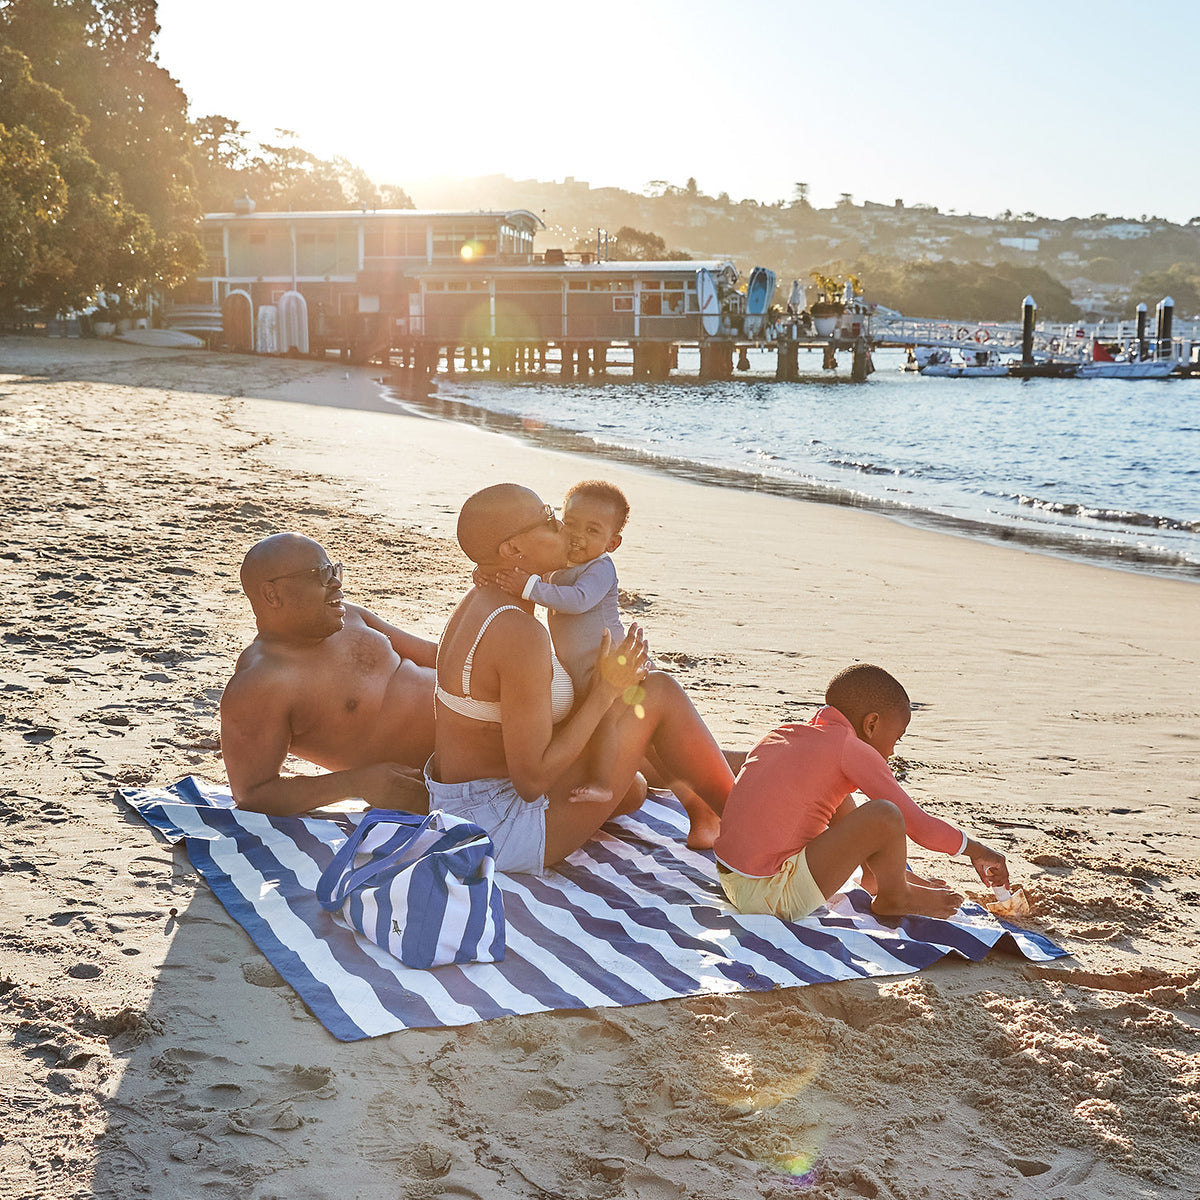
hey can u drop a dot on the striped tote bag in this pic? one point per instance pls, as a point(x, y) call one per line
point(419, 887)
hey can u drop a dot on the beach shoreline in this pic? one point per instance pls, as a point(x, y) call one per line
point(152, 1046)
point(1086, 493)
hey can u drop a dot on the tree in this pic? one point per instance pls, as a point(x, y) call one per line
point(131, 180)
point(634, 244)
point(1180, 281)
point(961, 291)
point(800, 193)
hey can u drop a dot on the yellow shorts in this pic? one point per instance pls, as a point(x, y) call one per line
point(790, 893)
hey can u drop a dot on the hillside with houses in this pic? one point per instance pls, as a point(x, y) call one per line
point(1105, 264)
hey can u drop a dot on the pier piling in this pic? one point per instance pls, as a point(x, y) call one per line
point(1165, 320)
point(1028, 315)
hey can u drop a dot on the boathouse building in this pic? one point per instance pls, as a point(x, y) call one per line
point(367, 283)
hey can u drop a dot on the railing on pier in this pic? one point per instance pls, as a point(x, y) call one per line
point(1061, 341)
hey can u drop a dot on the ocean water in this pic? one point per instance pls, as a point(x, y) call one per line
point(1103, 470)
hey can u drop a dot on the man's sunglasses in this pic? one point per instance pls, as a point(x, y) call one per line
point(326, 574)
point(548, 519)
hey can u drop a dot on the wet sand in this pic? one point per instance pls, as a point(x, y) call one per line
point(148, 1047)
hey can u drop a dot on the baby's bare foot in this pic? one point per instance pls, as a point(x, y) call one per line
point(591, 793)
point(914, 900)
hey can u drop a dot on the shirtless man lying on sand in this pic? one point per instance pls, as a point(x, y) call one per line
point(328, 682)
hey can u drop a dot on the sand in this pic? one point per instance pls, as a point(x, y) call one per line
point(148, 1048)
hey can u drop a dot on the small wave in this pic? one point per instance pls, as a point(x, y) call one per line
point(864, 468)
point(1116, 516)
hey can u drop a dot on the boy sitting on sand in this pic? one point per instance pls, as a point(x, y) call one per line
point(582, 600)
point(791, 835)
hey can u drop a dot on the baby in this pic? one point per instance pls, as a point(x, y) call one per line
point(582, 598)
point(582, 603)
point(791, 835)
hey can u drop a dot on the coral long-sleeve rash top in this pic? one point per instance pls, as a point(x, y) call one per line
point(792, 783)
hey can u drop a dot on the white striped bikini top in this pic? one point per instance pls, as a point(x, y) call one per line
point(562, 690)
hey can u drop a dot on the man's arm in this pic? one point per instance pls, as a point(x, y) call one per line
point(407, 645)
point(255, 737)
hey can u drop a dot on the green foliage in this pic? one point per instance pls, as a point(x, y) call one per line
point(638, 246)
point(1106, 270)
point(1180, 281)
point(278, 176)
point(963, 291)
point(79, 77)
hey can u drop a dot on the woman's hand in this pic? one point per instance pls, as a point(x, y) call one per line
point(622, 668)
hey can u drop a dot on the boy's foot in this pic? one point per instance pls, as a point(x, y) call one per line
point(703, 827)
point(591, 793)
point(912, 900)
point(930, 881)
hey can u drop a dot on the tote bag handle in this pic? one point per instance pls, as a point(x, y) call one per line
point(336, 881)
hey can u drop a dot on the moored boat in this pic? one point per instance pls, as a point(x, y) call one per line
point(979, 364)
point(1150, 369)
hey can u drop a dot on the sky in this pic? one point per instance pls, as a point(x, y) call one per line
point(1031, 105)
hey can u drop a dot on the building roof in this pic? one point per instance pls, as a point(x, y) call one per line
point(616, 267)
point(374, 214)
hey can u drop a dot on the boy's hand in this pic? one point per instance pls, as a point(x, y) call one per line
point(511, 580)
point(990, 865)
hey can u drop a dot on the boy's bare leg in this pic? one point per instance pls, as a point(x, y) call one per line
point(872, 836)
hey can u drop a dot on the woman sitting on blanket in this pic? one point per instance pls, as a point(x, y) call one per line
point(511, 738)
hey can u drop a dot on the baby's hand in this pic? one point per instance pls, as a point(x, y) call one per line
point(511, 580)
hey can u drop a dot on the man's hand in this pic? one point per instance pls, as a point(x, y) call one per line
point(393, 785)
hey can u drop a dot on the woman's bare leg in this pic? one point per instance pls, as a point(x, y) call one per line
point(703, 823)
point(659, 714)
point(660, 720)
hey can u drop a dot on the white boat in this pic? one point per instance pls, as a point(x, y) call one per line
point(1107, 363)
point(974, 364)
point(1150, 369)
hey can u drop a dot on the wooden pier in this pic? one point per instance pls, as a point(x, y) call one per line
point(424, 292)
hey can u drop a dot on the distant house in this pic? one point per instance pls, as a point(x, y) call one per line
point(1028, 244)
point(365, 282)
point(347, 266)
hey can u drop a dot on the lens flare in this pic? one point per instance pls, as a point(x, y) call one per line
point(802, 1167)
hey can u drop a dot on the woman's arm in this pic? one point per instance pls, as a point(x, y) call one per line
point(536, 754)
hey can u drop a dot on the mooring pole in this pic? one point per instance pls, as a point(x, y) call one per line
point(1028, 314)
point(1143, 315)
point(1166, 319)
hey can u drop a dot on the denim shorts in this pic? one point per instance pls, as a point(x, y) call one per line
point(517, 827)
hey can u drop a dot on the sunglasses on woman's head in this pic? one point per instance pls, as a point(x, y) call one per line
point(548, 519)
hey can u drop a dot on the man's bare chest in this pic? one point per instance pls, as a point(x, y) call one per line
point(346, 683)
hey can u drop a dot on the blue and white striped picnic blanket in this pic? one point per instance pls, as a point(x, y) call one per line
point(633, 916)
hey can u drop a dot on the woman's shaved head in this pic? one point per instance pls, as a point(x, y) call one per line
point(492, 516)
